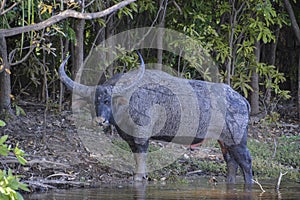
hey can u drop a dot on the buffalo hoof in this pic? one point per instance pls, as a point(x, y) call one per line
point(140, 177)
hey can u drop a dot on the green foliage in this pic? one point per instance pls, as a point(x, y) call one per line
point(2, 123)
point(241, 81)
point(9, 183)
point(19, 110)
point(270, 119)
point(4, 150)
point(286, 159)
point(288, 151)
point(127, 11)
point(272, 79)
point(267, 163)
point(146, 5)
point(211, 23)
point(229, 31)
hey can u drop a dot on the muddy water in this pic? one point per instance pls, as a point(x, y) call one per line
point(165, 191)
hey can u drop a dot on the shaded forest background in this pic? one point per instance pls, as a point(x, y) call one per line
point(254, 43)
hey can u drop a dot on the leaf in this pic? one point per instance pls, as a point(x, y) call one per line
point(50, 8)
point(20, 111)
point(4, 150)
point(44, 9)
point(12, 97)
point(19, 196)
point(7, 71)
point(2, 123)
point(3, 139)
point(24, 187)
point(21, 160)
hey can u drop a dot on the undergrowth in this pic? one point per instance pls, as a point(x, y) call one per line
point(269, 158)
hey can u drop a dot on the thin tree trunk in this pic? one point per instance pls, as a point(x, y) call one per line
point(230, 62)
point(299, 87)
point(64, 50)
point(255, 84)
point(161, 25)
point(230, 66)
point(271, 60)
point(296, 28)
point(5, 83)
point(109, 32)
point(79, 46)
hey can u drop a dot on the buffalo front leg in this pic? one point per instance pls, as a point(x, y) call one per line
point(141, 168)
point(139, 147)
point(241, 156)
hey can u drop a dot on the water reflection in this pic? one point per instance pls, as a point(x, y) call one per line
point(162, 191)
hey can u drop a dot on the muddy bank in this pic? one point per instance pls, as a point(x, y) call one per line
point(56, 157)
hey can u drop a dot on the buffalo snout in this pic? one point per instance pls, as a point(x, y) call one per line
point(102, 121)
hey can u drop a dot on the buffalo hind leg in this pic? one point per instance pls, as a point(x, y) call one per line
point(231, 164)
point(242, 156)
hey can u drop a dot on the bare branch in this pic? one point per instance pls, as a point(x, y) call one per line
point(275, 148)
point(255, 181)
point(2, 6)
point(279, 180)
point(90, 3)
point(50, 183)
point(61, 16)
point(178, 7)
point(12, 55)
point(2, 11)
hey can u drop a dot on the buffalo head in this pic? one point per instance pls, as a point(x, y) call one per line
point(100, 95)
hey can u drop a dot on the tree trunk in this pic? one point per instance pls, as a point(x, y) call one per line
point(296, 28)
point(270, 58)
point(109, 32)
point(299, 87)
point(79, 46)
point(254, 98)
point(160, 35)
point(5, 84)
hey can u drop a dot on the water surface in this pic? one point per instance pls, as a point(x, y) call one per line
point(199, 189)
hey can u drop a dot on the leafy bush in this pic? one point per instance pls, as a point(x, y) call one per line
point(286, 159)
point(9, 184)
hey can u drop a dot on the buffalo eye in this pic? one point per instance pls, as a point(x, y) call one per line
point(106, 101)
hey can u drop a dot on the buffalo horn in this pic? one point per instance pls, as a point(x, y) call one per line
point(76, 88)
point(140, 76)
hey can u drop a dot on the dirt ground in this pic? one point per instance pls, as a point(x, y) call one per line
point(56, 156)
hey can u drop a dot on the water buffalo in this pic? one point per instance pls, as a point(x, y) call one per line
point(163, 107)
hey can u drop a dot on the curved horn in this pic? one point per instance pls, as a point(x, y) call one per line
point(139, 76)
point(76, 88)
point(142, 67)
